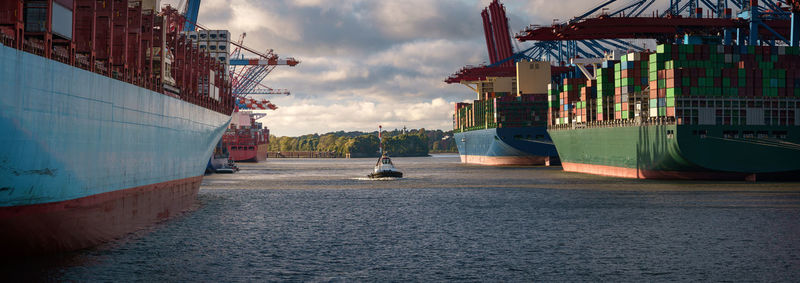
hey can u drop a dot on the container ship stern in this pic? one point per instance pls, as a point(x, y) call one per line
point(506, 125)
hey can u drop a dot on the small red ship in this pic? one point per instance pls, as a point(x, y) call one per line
point(246, 139)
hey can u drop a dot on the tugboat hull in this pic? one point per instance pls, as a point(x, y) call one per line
point(386, 174)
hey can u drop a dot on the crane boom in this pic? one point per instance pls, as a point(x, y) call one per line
point(270, 62)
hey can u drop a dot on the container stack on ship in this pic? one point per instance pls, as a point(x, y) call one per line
point(505, 126)
point(108, 116)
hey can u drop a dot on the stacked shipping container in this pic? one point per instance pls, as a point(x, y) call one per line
point(630, 80)
point(605, 91)
point(716, 84)
point(688, 84)
point(215, 42)
point(501, 110)
point(569, 99)
point(127, 40)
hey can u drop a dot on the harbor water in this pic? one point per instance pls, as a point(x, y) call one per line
point(322, 220)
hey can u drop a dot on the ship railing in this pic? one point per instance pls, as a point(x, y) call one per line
point(650, 121)
point(60, 54)
point(100, 67)
point(33, 46)
point(82, 61)
point(7, 40)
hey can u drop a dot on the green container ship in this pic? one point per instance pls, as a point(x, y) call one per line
point(683, 112)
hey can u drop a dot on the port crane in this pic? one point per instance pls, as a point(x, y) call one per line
point(246, 73)
point(599, 30)
point(502, 56)
point(755, 23)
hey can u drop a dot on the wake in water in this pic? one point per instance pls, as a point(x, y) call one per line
point(376, 179)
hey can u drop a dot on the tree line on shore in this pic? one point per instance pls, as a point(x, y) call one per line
point(365, 144)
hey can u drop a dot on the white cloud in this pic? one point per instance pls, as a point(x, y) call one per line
point(296, 119)
point(366, 62)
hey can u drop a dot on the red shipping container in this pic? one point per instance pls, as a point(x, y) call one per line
point(670, 111)
point(670, 83)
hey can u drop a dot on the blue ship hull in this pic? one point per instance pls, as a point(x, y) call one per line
point(506, 146)
point(85, 158)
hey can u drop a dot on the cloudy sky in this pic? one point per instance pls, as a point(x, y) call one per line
point(369, 62)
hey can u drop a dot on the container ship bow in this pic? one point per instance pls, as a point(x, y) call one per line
point(108, 116)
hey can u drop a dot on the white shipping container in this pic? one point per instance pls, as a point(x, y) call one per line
point(193, 36)
point(223, 35)
point(223, 46)
point(202, 35)
point(212, 47)
point(222, 57)
point(212, 35)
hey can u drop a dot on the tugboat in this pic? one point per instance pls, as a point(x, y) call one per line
point(230, 167)
point(384, 168)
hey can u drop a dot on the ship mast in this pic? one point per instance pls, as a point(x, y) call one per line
point(380, 139)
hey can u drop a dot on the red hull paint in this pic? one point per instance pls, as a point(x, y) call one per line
point(85, 222)
point(249, 155)
point(622, 172)
point(503, 160)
